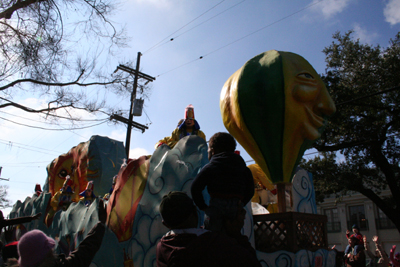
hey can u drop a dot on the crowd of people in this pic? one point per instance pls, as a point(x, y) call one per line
point(355, 254)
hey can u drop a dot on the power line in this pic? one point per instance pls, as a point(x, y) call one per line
point(52, 115)
point(241, 38)
point(179, 66)
point(11, 143)
point(147, 116)
point(45, 122)
point(27, 148)
point(209, 19)
point(269, 25)
point(156, 45)
point(32, 166)
point(27, 162)
point(48, 129)
point(174, 38)
point(373, 94)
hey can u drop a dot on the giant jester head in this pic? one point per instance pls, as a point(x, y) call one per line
point(276, 105)
point(74, 164)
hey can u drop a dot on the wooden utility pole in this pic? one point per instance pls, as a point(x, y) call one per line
point(130, 121)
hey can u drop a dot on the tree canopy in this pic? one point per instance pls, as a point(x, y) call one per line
point(364, 82)
point(45, 51)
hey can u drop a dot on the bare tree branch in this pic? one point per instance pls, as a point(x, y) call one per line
point(57, 84)
point(6, 14)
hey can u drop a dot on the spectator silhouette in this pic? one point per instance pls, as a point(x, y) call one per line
point(187, 245)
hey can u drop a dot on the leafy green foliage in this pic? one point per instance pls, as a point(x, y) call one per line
point(364, 81)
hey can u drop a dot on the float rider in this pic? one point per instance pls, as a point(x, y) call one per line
point(189, 126)
point(87, 196)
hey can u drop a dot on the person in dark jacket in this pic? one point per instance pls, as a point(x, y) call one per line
point(186, 245)
point(35, 248)
point(354, 256)
point(228, 180)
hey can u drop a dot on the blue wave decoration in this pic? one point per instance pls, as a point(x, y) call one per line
point(302, 258)
point(303, 192)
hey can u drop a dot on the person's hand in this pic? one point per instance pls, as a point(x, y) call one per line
point(36, 216)
point(365, 239)
point(347, 232)
point(102, 213)
point(375, 238)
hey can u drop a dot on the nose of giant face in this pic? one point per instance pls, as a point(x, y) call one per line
point(325, 105)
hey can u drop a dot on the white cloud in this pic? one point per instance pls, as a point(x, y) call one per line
point(329, 8)
point(392, 12)
point(119, 135)
point(138, 152)
point(9, 128)
point(364, 35)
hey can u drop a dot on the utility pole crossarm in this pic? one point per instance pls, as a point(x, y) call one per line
point(129, 123)
point(137, 74)
point(132, 71)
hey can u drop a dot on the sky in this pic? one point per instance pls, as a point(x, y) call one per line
point(224, 33)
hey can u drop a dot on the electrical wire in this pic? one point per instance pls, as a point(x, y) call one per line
point(8, 144)
point(179, 66)
point(32, 166)
point(147, 117)
point(74, 119)
point(262, 28)
point(12, 143)
point(209, 19)
point(241, 38)
point(45, 122)
point(373, 94)
point(156, 45)
point(31, 162)
point(174, 38)
point(48, 129)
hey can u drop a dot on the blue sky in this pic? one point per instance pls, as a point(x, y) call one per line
point(225, 33)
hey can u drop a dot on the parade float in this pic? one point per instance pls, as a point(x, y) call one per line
point(275, 106)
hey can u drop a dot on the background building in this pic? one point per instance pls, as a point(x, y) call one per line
point(357, 209)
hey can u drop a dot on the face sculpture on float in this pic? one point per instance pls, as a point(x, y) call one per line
point(275, 106)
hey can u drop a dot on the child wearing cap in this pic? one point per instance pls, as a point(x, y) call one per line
point(354, 254)
point(357, 234)
point(189, 126)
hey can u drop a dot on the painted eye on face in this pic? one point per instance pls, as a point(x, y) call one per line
point(63, 173)
point(306, 88)
point(306, 75)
